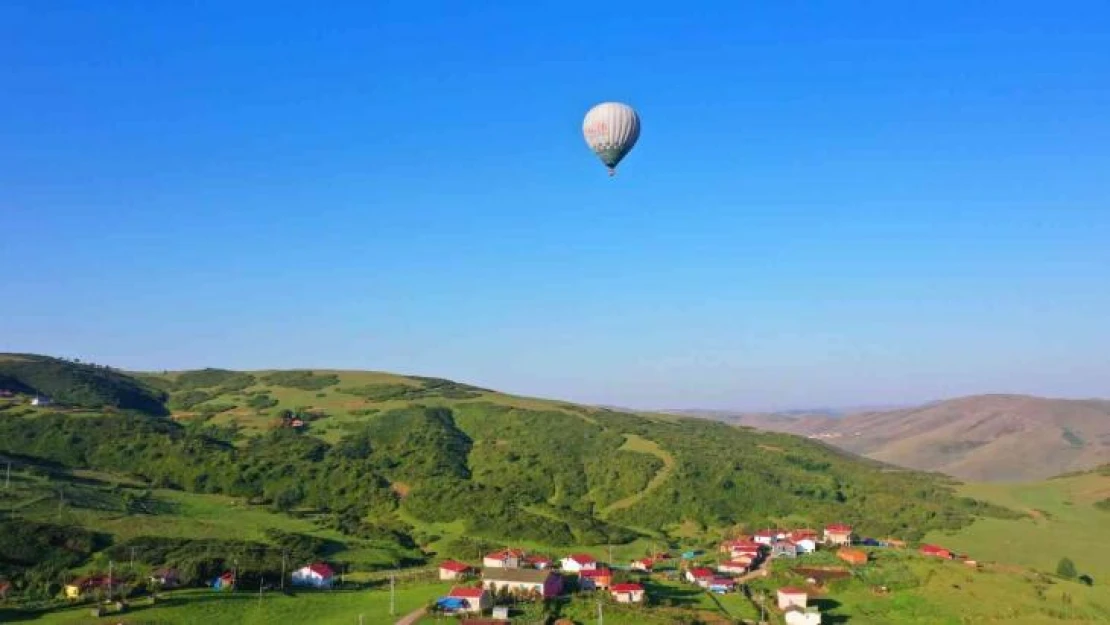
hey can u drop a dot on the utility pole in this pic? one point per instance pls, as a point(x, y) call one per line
point(132, 558)
point(600, 616)
point(359, 619)
point(610, 555)
point(283, 570)
point(61, 500)
point(8, 479)
point(109, 580)
point(261, 580)
point(391, 593)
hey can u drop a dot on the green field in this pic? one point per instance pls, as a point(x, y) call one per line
point(1063, 521)
point(923, 591)
point(207, 606)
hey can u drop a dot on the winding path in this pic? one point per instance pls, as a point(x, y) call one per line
point(412, 617)
point(633, 442)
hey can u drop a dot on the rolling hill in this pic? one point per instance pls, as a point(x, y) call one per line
point(424, 467)
point(977, 438)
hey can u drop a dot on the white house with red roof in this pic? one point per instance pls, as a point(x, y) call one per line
point(699, 576)
point(504, 559)
point(472, 599)
point(643, 564)
point(733, 567)
point(765, 537)
point(791, 596)
point(627, 593)
point(451, 569)
point(316, 575)
point(578, 562)
point(838, 534)
point(806, 540)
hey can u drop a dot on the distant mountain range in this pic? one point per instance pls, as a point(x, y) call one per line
point(976, 438)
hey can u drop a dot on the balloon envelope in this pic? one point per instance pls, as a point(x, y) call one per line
point(611, 130)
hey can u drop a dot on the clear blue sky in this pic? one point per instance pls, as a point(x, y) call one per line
point(831, 202)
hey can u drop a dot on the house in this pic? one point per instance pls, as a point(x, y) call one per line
point(699, 575)
point(315, 575)
point(504, 559)
point(224, 582)
point(799, 616)
point(82, 585)
point(721, 585)
point(40, 401)
point(523, 581)
point(5, 393)
point(852, 556)
point(578, 562)
point(784, 549)
point(733, 567)
point(894, 542)
point(790, 596)
point(806, 540)
point(643, 564)
point(594, 579)
point(764, 537)
point(538, 562)
point(838, 534)
point(627, 593)
point(166, 578)
point(936, 552)
point(464, 599)
point(451, 569)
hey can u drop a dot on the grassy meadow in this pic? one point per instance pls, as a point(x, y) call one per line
point(1063, 520)
point(337, 607)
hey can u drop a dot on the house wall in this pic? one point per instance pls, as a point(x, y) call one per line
point(785, 601)
point(803, 618)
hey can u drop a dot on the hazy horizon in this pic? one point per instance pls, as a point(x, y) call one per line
point(829, 204)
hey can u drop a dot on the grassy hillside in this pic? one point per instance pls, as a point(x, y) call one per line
point(979, 438)
point(392, 469)
point(900, 586)
point(1066, 516)
point(78, 385)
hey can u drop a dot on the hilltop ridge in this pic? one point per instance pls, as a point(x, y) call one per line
point(990, 437)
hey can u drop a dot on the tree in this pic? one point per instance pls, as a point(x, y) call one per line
point(1066, 568)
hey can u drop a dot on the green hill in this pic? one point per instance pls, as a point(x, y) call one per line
point(78, 385)
point(418, 468)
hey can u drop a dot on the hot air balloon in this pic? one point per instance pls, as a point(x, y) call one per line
point(611, 129)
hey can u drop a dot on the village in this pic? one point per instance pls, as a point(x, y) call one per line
point(508, 580)
point(510, 576)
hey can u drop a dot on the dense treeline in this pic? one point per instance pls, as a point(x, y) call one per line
point(35, 556)
point(81, 385)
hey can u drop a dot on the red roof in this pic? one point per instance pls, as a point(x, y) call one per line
point(933, 549)
point(538, 559)
point(582, 558)
point(701, 572)
point(644, 561)
point(797, 535)
point(627, 588)
point(466, 592)
point(791, 590)
point(321, 569)
point(596, 573)
point(504, 554)
point(456, 567)
point(838, 528)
